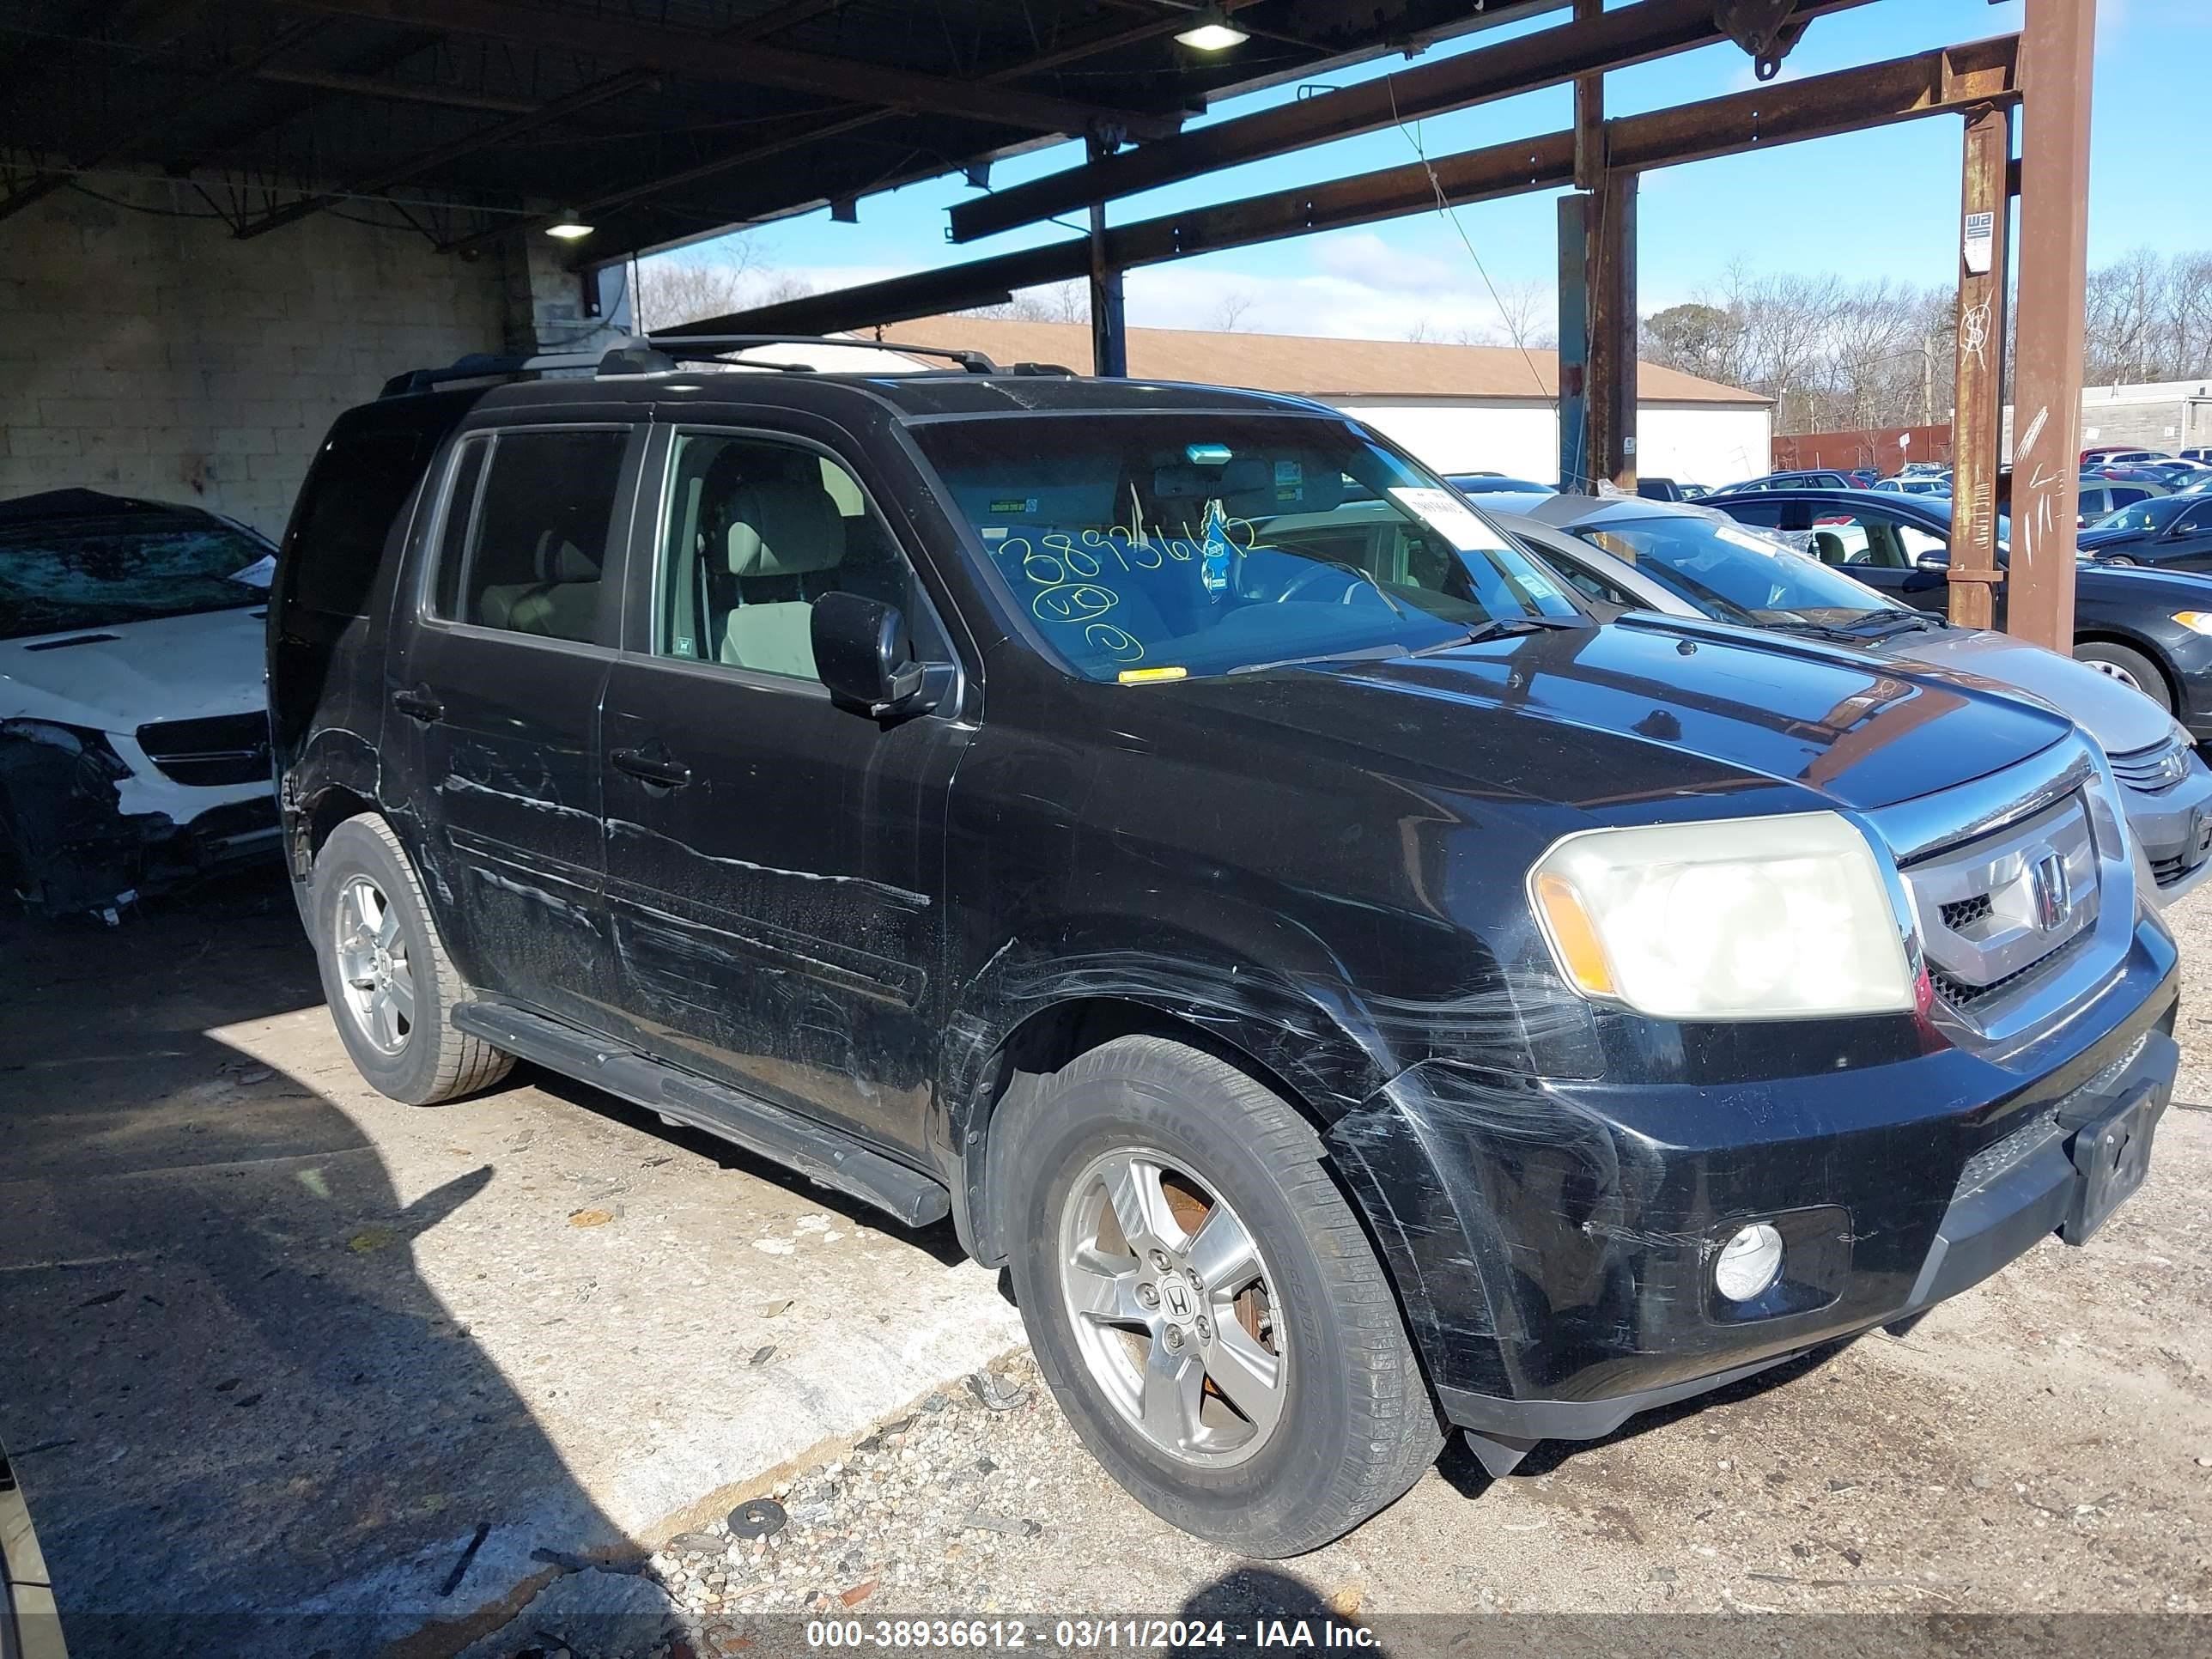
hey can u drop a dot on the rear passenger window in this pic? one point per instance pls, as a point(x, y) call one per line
point(756, 531)
point(526, 552)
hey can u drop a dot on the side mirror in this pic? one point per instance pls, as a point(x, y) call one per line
point(1931, 561)
point(863, 653)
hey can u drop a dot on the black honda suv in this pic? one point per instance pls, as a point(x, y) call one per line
point(1167, 830)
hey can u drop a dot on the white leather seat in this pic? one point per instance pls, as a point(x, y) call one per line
point(778, 529)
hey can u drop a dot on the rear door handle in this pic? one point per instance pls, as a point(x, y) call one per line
point(651, 768)
point(418, 706)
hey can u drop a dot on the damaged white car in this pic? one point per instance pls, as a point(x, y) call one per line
point(134, 725)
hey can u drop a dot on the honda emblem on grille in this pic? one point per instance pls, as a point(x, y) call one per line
point(2047, 883)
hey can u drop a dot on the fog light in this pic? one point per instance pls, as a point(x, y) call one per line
point(1749, 1262)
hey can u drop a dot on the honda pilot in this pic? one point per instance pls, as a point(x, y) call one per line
point(1354, 990)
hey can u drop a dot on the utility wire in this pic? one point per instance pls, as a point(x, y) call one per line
point(1451, 214)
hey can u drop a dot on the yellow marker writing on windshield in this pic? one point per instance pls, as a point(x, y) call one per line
point(1144, 676)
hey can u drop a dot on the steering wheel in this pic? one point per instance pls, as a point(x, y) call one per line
point(1361, 583)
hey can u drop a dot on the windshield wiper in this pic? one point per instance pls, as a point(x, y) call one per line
point(1498, 628)
point(1858, 632)
point(1882, 624)
point(1382, 653)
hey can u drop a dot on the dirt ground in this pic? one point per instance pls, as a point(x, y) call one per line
point(277, 1351)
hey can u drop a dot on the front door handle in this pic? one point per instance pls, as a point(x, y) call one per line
point(418, 706)
point(651, 768)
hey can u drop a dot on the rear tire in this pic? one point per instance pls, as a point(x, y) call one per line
point(390, 989)
point(1290, 1407)
point(2128, 667)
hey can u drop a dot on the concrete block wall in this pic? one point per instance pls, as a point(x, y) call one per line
point(155, 355)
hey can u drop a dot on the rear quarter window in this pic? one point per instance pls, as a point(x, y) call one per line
point(357, 489)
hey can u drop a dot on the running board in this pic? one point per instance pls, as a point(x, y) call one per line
point(825, 1156)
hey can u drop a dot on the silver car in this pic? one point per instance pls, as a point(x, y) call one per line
point(1688, 560)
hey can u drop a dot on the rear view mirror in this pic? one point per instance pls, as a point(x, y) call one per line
point(1932, 562)
point(863, 653)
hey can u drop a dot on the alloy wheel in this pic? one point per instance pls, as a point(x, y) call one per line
point(1174, 1308)
point(372, 966)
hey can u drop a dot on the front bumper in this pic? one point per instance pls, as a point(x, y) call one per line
point(2175, 827)
point(1553, 1242)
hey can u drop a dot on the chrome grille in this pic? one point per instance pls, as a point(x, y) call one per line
point(1997, 911)
point(2159, 767)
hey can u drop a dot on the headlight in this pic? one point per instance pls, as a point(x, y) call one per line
point(91, 747)
point(1773, 918)
point(2198, 621)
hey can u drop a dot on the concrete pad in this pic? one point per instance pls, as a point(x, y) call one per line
point(278, 1345)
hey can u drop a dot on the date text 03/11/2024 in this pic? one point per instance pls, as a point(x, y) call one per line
point(1085, 1634)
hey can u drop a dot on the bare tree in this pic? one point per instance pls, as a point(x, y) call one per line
point(1060, 302)
point(1524, 315)
point(1229, 310)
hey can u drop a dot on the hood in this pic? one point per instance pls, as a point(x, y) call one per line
point(2120, 720)
point(1642, 711)
point(171, 668)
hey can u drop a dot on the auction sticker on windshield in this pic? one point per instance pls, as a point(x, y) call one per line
point(1450, 517)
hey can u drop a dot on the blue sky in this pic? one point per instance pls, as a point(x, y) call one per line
point(1882, 204)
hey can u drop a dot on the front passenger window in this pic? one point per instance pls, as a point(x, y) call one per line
point(755, 530)
point(525, 556)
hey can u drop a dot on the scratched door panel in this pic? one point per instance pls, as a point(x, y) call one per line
point(511, 791)
point(778, 916)
point(496, 695)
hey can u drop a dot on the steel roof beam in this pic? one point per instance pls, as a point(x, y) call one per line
point(1951, 81)
point(696, 55)
point(126, 141)
point(1613, 40)
point(798, 137)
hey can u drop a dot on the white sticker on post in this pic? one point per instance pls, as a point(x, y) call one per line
point(1450, 517)
point(1981, 242)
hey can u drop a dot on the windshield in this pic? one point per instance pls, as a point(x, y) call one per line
point(2154, 514)
point(1155, 545)
point(63, 574)
point(1733, 574)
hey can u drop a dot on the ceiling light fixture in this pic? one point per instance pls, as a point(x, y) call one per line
point(567, 225)
point(1211, 31)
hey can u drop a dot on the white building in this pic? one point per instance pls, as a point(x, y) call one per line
point(1462, 409)
point(2165, 415)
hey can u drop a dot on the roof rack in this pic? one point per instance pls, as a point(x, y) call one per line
point(647, 353)
point(485, 364)
point(673, 349)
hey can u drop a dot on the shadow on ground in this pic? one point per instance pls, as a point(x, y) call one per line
point(244, 1423)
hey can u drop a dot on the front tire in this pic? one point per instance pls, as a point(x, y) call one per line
point(390, 989)
point(2130, 667)
point(1204, 1304)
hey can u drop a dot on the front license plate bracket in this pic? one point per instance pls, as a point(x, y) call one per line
point(2111, 1156)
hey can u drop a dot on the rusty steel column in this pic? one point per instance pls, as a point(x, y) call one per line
point(1109, 322)
point(2055, 54)
point(1977, 418)
point(1589, 111)
point(1574, 341)
point(1611, 386)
